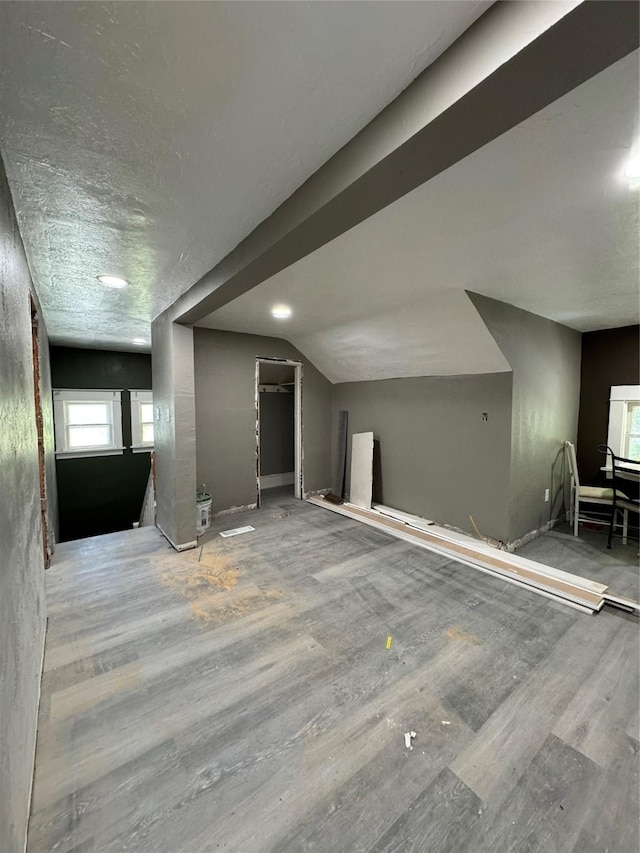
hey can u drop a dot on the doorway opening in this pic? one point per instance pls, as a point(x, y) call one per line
point(42, 473)
point(279, 454)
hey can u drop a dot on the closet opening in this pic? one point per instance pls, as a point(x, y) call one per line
point(279, 458)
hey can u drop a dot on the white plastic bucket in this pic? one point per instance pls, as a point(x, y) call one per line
point(203, 512)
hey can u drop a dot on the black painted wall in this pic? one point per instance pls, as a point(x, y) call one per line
point(101, 494)
point(609, 357)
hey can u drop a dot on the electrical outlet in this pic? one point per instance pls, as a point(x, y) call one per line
point(546, 495)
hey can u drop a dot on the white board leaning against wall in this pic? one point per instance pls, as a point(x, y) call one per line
point(361, 469)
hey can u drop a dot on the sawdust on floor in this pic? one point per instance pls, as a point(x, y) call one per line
point(208, 578)
point(455, 633)
point(213, 570)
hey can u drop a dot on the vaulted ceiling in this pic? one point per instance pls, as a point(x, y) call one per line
point(147, 139)
point(541, 217)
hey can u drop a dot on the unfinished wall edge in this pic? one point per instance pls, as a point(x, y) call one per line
point(533, 534)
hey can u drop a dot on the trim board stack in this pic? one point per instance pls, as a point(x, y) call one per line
point(572, 590)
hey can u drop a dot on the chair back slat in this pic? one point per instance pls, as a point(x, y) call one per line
point(573, 464)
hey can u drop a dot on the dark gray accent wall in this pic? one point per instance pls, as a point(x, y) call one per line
point(225, 364)
point(545, 359)
point(101, 494)
point(439, 458)
point(276, 433)
point(609, 357)
point(22, 594)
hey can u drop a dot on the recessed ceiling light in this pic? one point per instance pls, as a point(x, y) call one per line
point(139, 342)
point(632, 169)
point(112, 281)
point(281, 312)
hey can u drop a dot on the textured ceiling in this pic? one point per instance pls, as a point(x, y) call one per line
point(146, 139)
point(539, 218)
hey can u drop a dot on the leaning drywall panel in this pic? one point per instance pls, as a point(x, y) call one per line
point(361, 469)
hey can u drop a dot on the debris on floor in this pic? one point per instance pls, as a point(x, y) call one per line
point(462, 636)
point(408, 737)
point(389, 641)
point(236, 531)
point(207, 577)
point(212, 582)
point(445, 722)
point(276, 516)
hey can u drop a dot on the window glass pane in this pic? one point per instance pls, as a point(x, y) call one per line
point(634, 448)
point(146, 413)
point(88, 413)
point(635, 417)
point(147, 433)
point(89, 436)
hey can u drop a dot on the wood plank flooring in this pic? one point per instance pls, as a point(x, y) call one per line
point(241, 698)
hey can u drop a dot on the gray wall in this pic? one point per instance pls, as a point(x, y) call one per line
point(276, 433)
point(545, 359)
point(226, 418)
point(174, 429)
point(438, 458)
point(22, 598)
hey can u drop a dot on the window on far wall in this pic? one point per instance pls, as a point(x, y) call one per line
point(632, 437)
point(141, 421)
point(624, 421)
point(87, 423)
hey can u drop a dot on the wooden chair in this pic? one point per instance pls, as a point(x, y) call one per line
point(579, 494)
point(620, 502)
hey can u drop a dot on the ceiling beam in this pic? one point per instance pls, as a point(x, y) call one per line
point(512, 63)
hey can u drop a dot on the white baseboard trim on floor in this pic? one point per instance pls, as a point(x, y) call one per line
point(410, 520)
point(572, 590)
point(270, 481)
point(35, 742)
point(187, 546)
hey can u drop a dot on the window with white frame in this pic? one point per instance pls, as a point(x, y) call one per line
point(632, 433)
point(87, 423)
point(141, 421)
point(624, 421)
